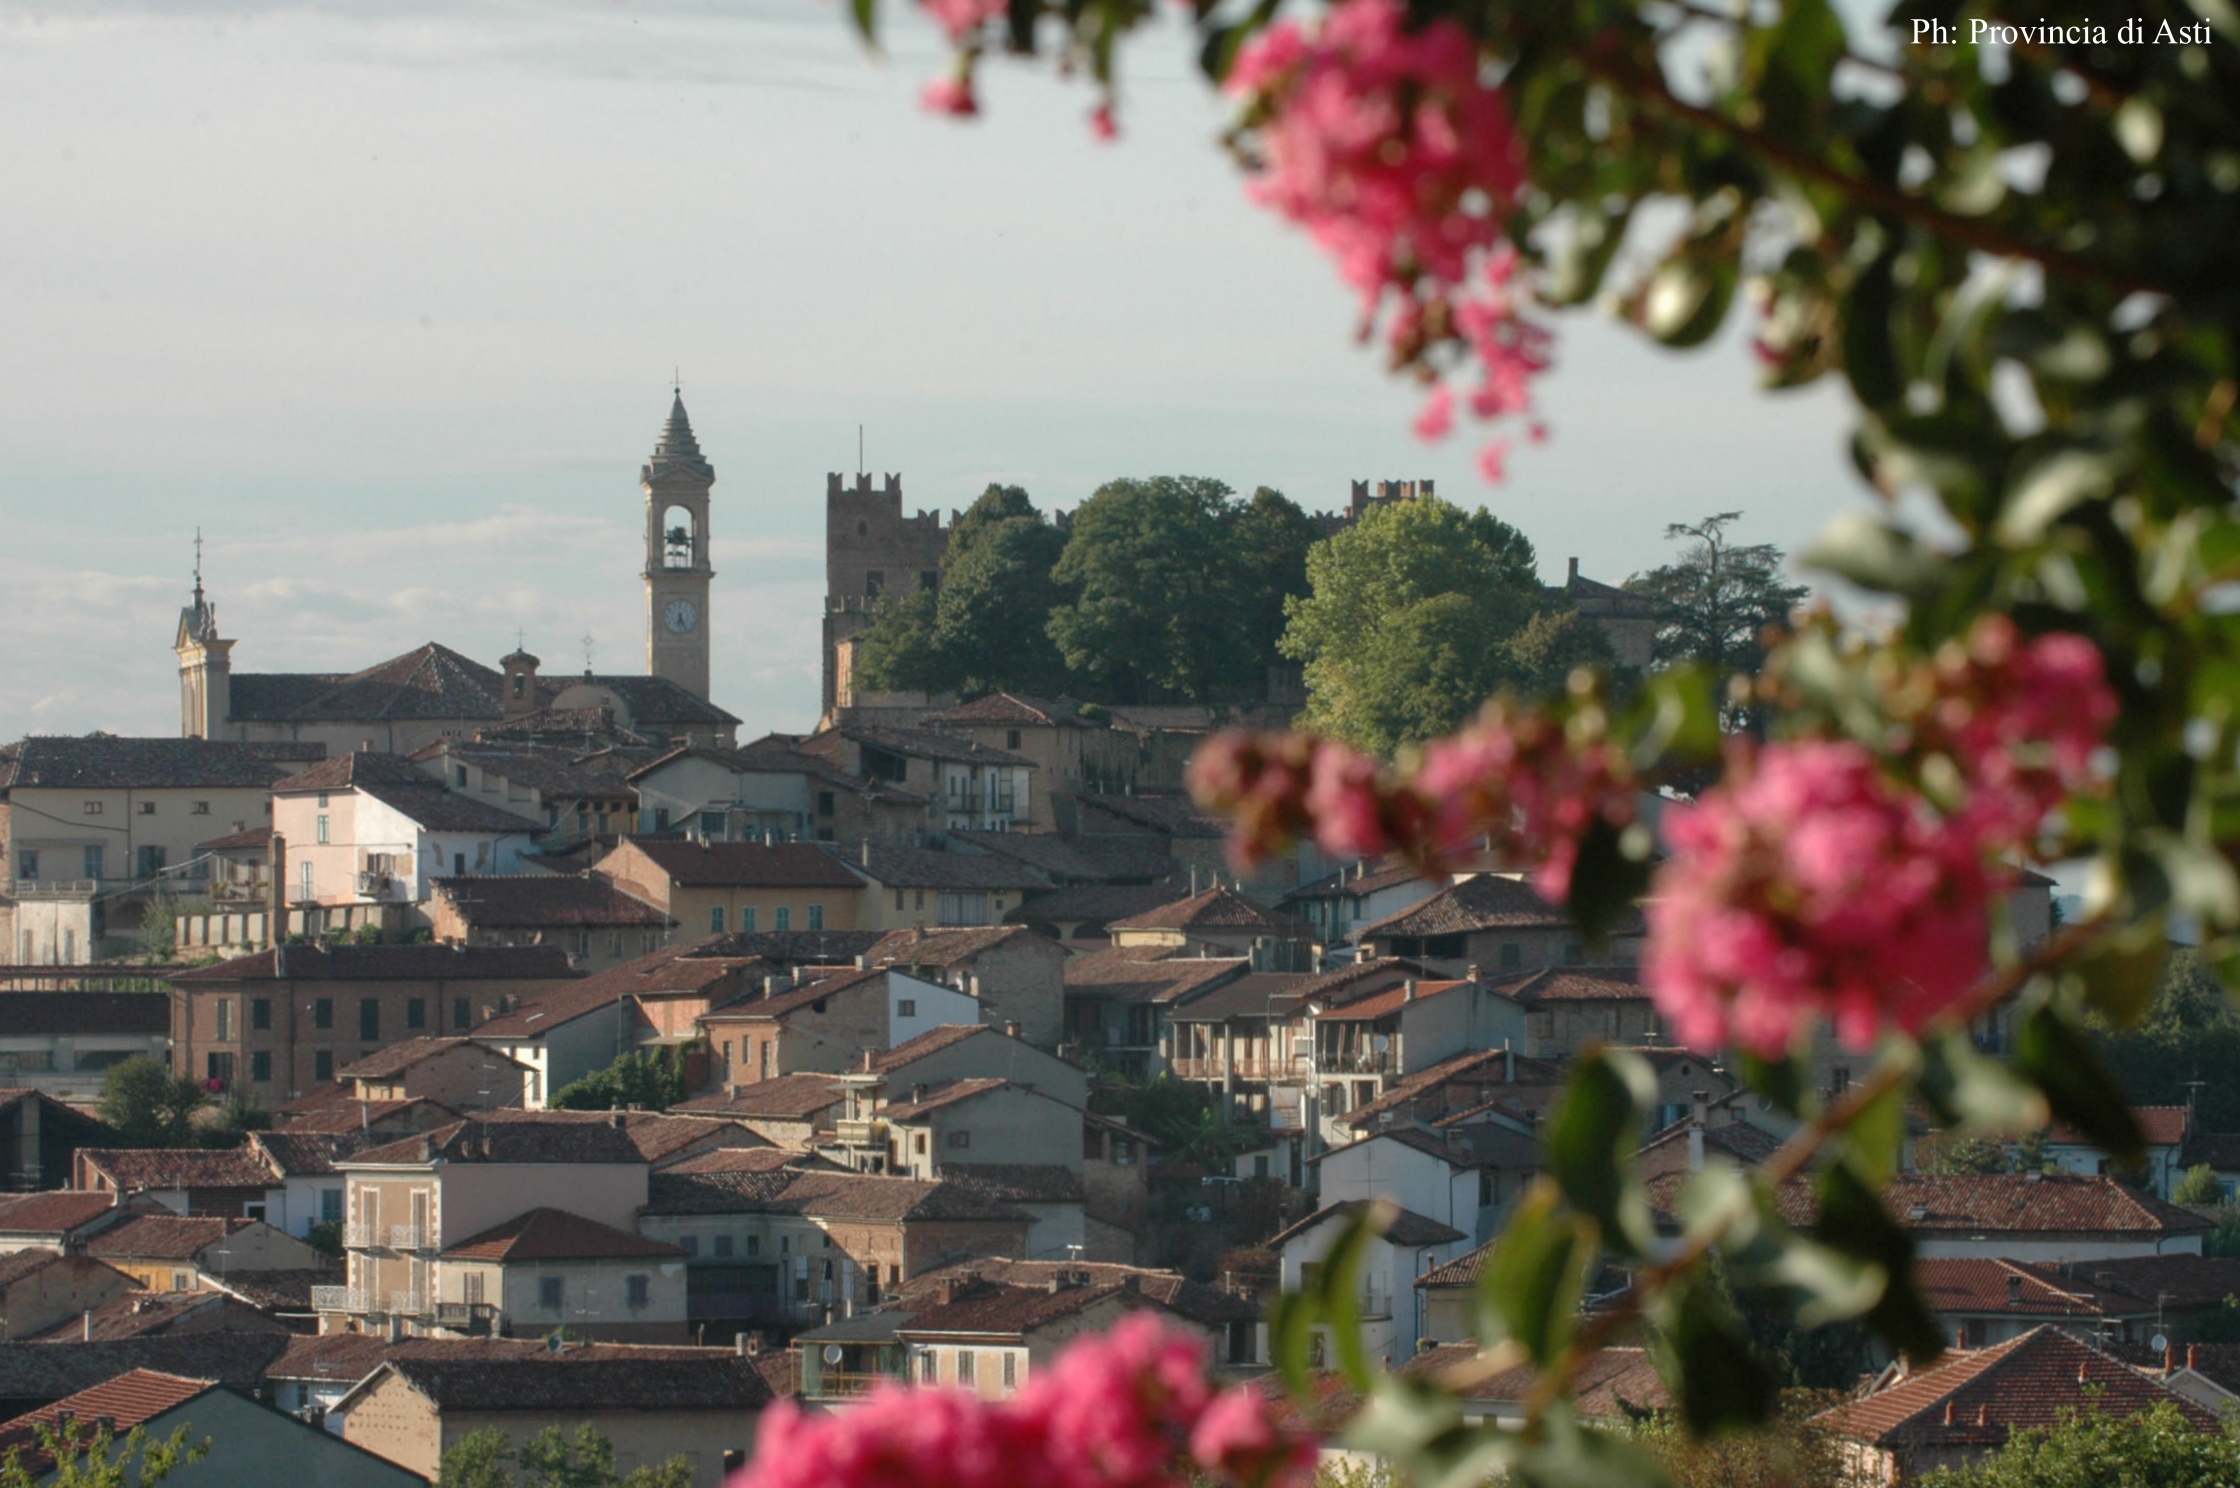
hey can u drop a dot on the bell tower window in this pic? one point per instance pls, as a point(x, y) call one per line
point(680, 540)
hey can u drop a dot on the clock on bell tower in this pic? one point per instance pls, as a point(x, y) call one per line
point(676, 483)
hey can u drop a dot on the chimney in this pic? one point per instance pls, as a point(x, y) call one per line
point(867, 1056)
point(1011, 1028)
point(731, 1090)
point(2169, 1357)
point(1574, 570)
point(1948, 1401)
point(2084, 1371)
point(276, 893)
point(863, 961)
point(1408, 990)
point(88, 1334)
point(773, 984)
point(2014, 1291)
point(1472, 974)
point(1508, 1063)
point(973, 986)
point(2190, 1356)
point(947, 1291)
point(1695, 1145)
point(614, 1119)
point(866, 852)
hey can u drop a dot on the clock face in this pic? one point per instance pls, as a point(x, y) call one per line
point(680, 615)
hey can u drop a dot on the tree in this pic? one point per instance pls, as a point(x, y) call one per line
point(148, 1105)
point(88, 1456)
point(1270, 536)
point(652, 1082)
point(1154, 599)
point(1413, 617)
point(1716, 602)
point(231, 1123)
point(1792, 1453)
point(898, 651)
point(1966, 1155)
point(2157, 1448)
point(488, 1458)
point(2199, 1186)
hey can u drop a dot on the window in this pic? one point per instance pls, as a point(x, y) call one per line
point(1512, 956)
point(260, 1066)
point(906, 1007)
point(460, 777)
point(306, 882)
point(94, 864)
point(637, 1291)
point(929, 1369)
point(147, 808)
point(1489, 1188)
point(711, 823)
point(322, 800)
point(715, 920)
point(549, 1293)
point(746, 919)
point(151, 861)
point(898, 898)
point(661, 818)
point(369, 1017)
point(964, 1366)
point(783, 919)
point(727, 1053)
point(920, 1145)
point(1010, 1370)
point(691, 1244)
point(960, 1139)
point(199, 808)
point(1011, 739)
point(322, 1066)
point(27, 864)
point(458, 864)
point(219, 1067)
point(874, 581)
point(824, 803)
point(93, 808)
point(330, 1206)
point(416, 1012)
point(754, 1245)
point(260, 1012)
point(462, 1013)
point(964, 909)
point(816, 917)
point(723, 1247)
point(322, 832)
point(182, 1281)
point(767, 1046)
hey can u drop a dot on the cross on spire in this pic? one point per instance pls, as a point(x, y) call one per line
point(590, 644)
point(198, 562)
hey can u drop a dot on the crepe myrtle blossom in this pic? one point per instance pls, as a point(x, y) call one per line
point(1131, 1408)
point(1391, 149)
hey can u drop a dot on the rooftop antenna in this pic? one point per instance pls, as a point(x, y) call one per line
point(198, 563)
point(590, 644)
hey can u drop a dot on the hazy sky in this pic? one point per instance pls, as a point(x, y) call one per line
point(386, 297)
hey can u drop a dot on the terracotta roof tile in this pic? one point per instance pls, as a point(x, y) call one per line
point(1098, 904)
point(987, 1308)
point(942, 949)
point(1191, 1299)
point(513, 1137)
point(1971, 1285)
point(106, 762)
point(45, 1014)
point(823, 1195)
point(387, 963)
point(718, 1380)
point(925, 744)
point(542, 900)
point(752, 1160)
point(1484, 901)
point(932, 1041)
point(2161, 1126)
point(1611, 1383)
point(1404, 1227)
point(545, 1234)
point(1577, 984)
point(131, 1169)
point(787, 865)
point(1017, 1183)
point(163, 1237)
point(1994, 1204)
point(133, 1398)
point(54, 1213)
point(1155, 974)
point(49, 1371)
point(1217, 908)
point(940, 1097)
point(923, 868)
point(785, 1097)
point(672, 970)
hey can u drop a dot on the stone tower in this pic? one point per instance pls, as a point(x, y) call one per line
point(205, 665)
point(871, 549)
point(676, 484)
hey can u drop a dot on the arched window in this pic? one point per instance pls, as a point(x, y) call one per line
point(679, 537)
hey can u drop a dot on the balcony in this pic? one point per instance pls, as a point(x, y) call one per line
point(361, 1236)
point(340, 1299)
point(863, 1132)
point(1359, 1062)
point(834, 1384)
point(411, 1237)
point(407, 1304)
point(475, 1319)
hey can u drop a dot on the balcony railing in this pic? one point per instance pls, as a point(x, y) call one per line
point(860, 1133)
point(1360, 1062)
point(835, 1384)
point(467, 1317)
point(411, 1237)
point(361, 1236)
point(340, 1299)
point(408, 1304)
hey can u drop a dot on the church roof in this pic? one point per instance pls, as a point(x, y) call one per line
point(678, 452)
point(650, 700)
point(432, 681)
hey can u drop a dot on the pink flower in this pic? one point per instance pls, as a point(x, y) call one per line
point(1437, 417)
point(1805, 885)
point(1236, 1439)
point(2022, 720)
point(1102, 124)
point(960, 18)
point(1347, 803)
point(950, 95)
point(1493, 460)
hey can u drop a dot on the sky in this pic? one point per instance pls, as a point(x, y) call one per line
point(385, 297)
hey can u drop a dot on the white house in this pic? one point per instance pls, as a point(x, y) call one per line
point(1393, 1309)
point(374, 829)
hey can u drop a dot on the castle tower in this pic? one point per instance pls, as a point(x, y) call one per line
point(205, 665)
point(870, 549)
point(676, 483)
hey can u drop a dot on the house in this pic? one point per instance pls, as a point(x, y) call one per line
point(1081, 913)
point(1221, 922)
point(714, 887)
point(990, 1337)
point(1983, 1302)
point(703, 1408)
point(787, 1247)
point(365, 834)
point(1359, 894)
point(1071, 747)
point(1360, 1042)
point(1233, 1321)
point(1402, 1246)
point(789, 1110)
point(250, 1445)
point(1911, 1422)
point(1019, 1145)
point(546, 1268)
point(332, 1109)
point(1458, 1084)
point(1495, 922)
point(240, 864)
point(1117, 999)
point(2165, 1130)
point(63, 1044)
point(145, 1314)
point(461, 1073)
point(40, 1288)
point(63, 1220)
point(587, 916)
point(37, 1374)
point(1568, 1007)
point(2219, 1152)
point(771, 792)
point(167, 1252)
point(317, 1370)
point(224, 1183)
point(965, 785)
point(90, 827)
point(956, 1051)
point(1018, 976)
point(274, 1025)
point(912, 887)
point(1465, 1176)
point(824, 1021)
point(1614, 1385)
point(1715, 1133)
point(575, 795)
point(409, 1202)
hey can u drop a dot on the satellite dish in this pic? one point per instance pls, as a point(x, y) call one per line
point(833, 1353)
point(2159, 1342)
point(1380, 1043)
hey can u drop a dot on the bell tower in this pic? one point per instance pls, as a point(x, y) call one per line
point(676, 483)
point(205, 664)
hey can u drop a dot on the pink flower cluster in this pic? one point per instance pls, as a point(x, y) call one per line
point(1512, 780)
point(1388, 146)
point(1129, 1409)
point(1808, 883)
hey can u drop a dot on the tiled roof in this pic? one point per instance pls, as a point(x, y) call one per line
point(2161, 1126)
point(779, 865)
point(1405, 1227)
point(1147, 973)
point(982, 1307)
point(1484, 901)
point(1358, 881)
point(1748, 1144)
point(105, 762)
point(28, 1262)
point(785, 1097)
point(1994, 1204)
point(131, 1169)
point(2220, 1150)
point(1470, 1074)
point(133, 1398)
point(1257, 995)
point(2219, 1363)
point(559, 775)
point(545, 1234)
point(1086, 861)
point(138, 1314)
point(1098, 904)
point(1187, 1298)
point(1217, 908)
point(334, 1112)
point(37, 1014)
point(246, 838)
point(932, 1041)
point(752, 1160)
point(545, 899)
point(1483, 1145)
point(823, 1195)
point(672, 970)
point(1018, 1183)
point(2174, 1280)
point(1967, 1284)
point(387, 963)
point(1610, 1384)
point(1010, 708)
point(1576, 984)
point(430, 682)
point(925, 744)
point(923, 868)
point(651, 700)
point(284, 1289)
point(790, 947)
point(398, 783)
point(718, 1381)
point(1386, 1003)
point(818, 985)
point(940, 1097)
point(49, 1371)
point(1463, 1270)
point(53, 1213)
point(660, 1136)
point(1974, 1399)
point(942, 949)
point(387, 1063)
point(1167, 816)
point(532, 1137)
point(330, 1358)
point(163, 1237)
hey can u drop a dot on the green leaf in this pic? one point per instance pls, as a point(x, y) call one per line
point(1721, 1382)
point(1875, 1136)
point(2060, 1061)
point(1786, 1081)
point(2051, 487)
point(1606, 881)
point(1975, 1095)
point(1677, 718)
point(1537, 1275)
point(1570, 1455)
point(2122, 971)
point(1687, 299)
point(1592, 1140)
point(1876, 556)
point(1853, 1221)
point(1870, 352)
point(865, 13)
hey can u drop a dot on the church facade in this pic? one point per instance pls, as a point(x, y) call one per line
point(434, 693)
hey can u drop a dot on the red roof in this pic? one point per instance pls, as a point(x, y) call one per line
point(164, 1237)
point(1993, 1204)
point(52, 1213)
point(2161, 1126)
point(131, 1399)
point(1216, 908)
point(557, 1235)
point(777, 865)
point(1966, 1285)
